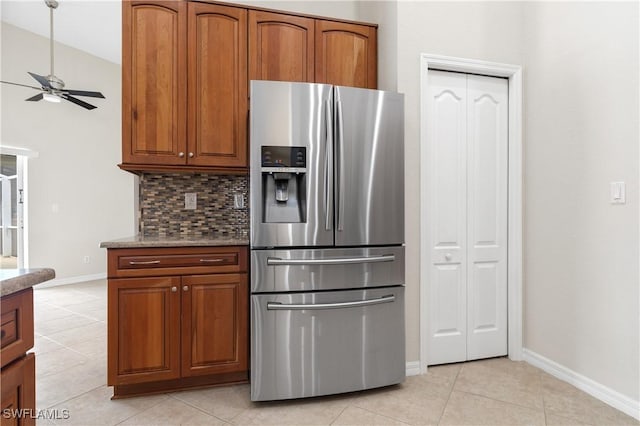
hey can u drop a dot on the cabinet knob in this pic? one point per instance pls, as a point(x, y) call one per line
point(447, 256)
point(191, 155)
point(181, 154)
point(185, 288)
point(174, 289)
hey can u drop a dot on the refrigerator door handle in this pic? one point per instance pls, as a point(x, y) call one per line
point(275, 261)
point(340, 161)
point(328, 168)
point(276, 306)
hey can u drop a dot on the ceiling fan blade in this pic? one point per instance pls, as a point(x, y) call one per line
point(77, 101)
point(35, 98)
point(40, 79)
point(83, 93)
point(23, 85)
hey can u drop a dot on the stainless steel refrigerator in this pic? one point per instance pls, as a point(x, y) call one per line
point(327, 234)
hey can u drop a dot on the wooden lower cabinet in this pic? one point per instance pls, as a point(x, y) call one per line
point(172, 332)
point(214, 324)
point(18, 373)
point(144, 330)
point(19, 392)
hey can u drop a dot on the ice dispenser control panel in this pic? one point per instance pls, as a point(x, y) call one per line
point(284, 159)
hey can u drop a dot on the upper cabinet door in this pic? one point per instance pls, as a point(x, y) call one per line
point(217, 69)
point(281, 47)
point(346, 54)
point(153, 82)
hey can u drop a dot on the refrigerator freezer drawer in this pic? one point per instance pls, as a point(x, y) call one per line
point(326, 269)
point(311, 344)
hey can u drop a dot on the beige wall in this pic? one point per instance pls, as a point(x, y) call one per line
point(581, 270)
point(490, 31)
point(581, 133)
point(78, 152)
point(385, 14)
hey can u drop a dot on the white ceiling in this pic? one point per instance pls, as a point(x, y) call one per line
point(93, 26)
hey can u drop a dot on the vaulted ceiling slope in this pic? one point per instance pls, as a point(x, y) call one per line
point(93, 26)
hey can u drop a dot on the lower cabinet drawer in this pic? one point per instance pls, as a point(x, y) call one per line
point(8, 329)
point(145, 262)
point(16, 328)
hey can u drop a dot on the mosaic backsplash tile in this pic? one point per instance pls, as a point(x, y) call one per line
point(162, 209)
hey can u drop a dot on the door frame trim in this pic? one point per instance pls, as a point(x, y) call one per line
point(514, 215)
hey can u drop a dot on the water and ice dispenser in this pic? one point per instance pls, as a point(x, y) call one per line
point(284, 171)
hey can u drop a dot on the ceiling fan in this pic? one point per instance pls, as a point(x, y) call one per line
point(52, 88)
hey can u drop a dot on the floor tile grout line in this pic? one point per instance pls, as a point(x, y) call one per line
point(544, 407)
point(339, 414)
point(139, 412)
point(453, 385)
point(499, 400)
point(378, 414)
point(72, 312)
point(170, 395)
point(60, 343)
point(68, 399)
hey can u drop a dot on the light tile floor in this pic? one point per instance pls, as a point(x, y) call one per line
point(70, 347)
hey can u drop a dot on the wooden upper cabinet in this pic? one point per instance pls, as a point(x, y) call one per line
point(186, 67)
point(217, 63)
point(346, 54)
point(153, 81)
point(281, 47)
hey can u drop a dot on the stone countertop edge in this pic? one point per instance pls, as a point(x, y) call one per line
point(174, 241)
point(14, 280)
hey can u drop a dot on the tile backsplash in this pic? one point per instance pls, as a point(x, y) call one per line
point(162, 205)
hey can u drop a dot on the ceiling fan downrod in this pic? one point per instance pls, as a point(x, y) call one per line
point(56, 83)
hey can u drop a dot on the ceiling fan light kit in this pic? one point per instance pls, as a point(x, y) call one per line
point(51, 98)
point(52, 87)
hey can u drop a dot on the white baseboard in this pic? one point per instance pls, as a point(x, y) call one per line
point(72, 280)
point(413, 368)
point(593, 388)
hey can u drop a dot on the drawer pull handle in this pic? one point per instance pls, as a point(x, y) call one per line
point(146, 262)
point(211, 260)
point(277, 306)
point(331, 261)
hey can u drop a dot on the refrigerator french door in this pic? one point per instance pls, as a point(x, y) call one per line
point(327, 229)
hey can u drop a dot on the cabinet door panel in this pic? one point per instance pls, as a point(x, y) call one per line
point(144, 330)
point(153, 82)
point(214, 327)
point(346, 54)
point(281, 47)
point(19, 392)
point(217, 46)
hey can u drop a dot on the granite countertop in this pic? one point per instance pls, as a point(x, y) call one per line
point(14, 280)
point(176, 241)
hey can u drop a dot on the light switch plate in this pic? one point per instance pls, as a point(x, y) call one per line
point(190, 200)
point(618, 193)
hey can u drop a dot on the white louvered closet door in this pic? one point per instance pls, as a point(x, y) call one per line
point(467, 125)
